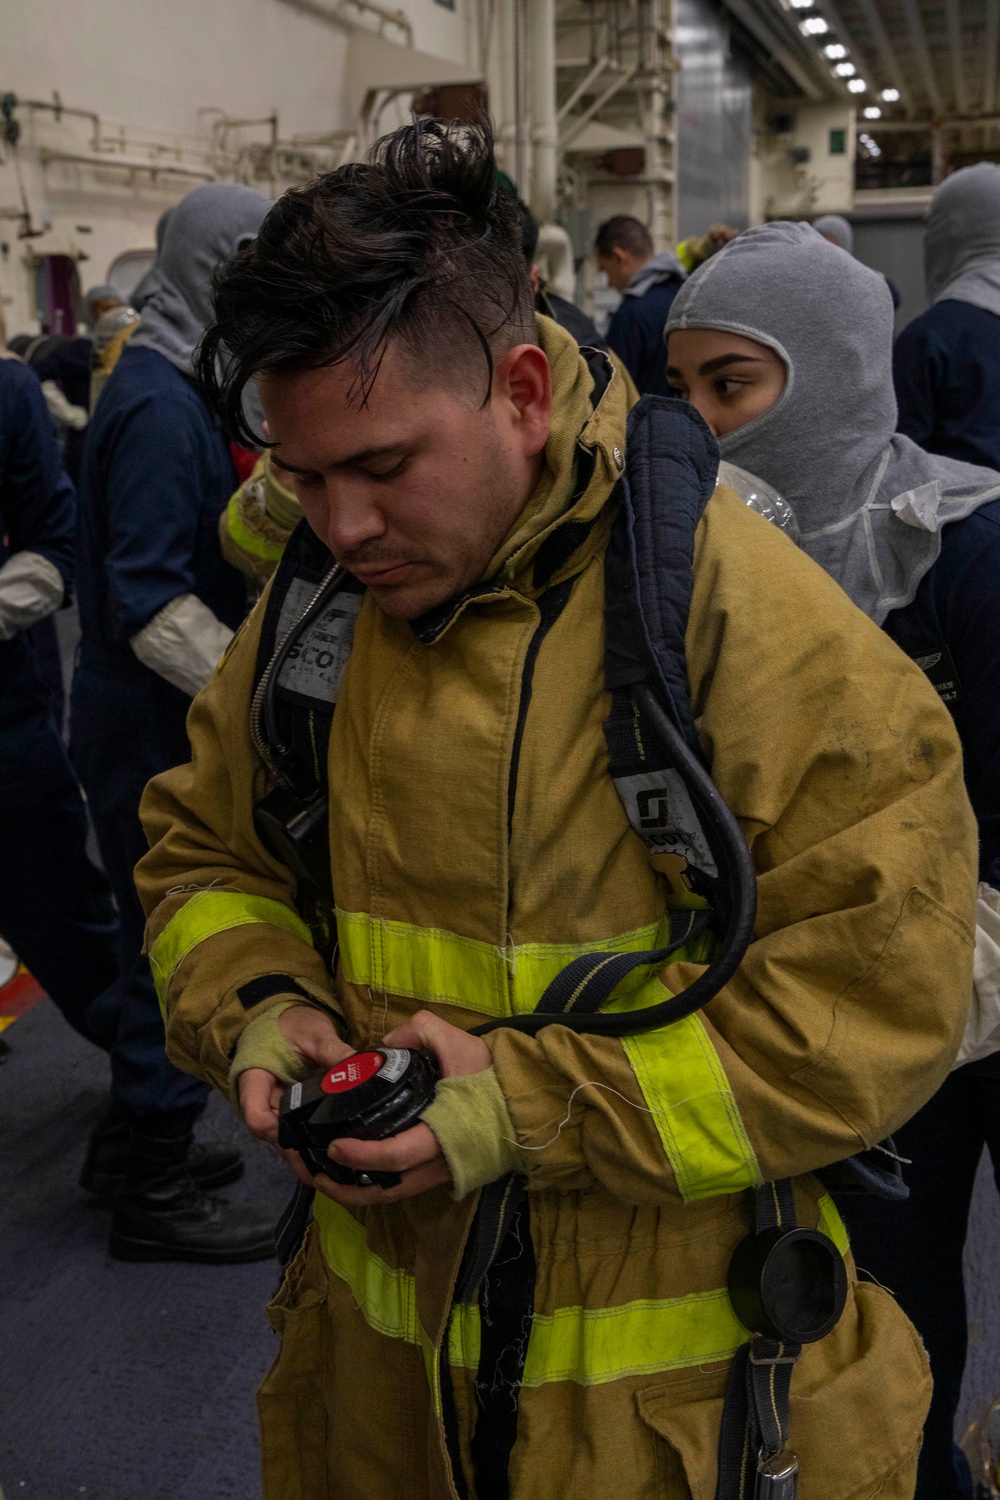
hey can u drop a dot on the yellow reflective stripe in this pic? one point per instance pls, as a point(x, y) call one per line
point(247, 540)
point(590, 1346)
point(211, 912)
point(595, 1345)
point(386, 1296)
point(693, 1107)
point(832, 1224)
point(431, 964)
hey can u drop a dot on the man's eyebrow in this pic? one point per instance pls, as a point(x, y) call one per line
point(362, 456)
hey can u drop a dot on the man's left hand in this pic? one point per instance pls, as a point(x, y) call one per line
point(415, 1153)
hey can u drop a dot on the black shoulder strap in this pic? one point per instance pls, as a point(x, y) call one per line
point(296, 681)
point(671, 463)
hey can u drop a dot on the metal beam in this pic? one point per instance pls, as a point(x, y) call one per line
point(955, 44)
point(890, 62)
point(991, 43)
point(575, 123)
point(865, 68)
point(919, 44)
point(771, 41)
point(586, 82)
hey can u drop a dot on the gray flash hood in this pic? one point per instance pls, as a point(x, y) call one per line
point(870, 504)
point(962, 244)
point(203, 230)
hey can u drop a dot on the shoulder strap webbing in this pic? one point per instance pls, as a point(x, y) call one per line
point(302, 695)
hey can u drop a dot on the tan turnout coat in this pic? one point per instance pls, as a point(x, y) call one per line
point(845, 774)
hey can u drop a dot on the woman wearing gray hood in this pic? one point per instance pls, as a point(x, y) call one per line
point(784, 345)
point(158, 605)
point(947, 362)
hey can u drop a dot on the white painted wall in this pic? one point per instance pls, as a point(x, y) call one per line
point(151, 65)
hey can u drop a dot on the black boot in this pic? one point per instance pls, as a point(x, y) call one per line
point(160, 1212)
point(211, 1164)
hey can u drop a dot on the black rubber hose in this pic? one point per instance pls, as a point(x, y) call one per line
point(731, 855)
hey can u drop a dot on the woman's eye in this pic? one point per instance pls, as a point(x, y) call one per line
point(309, 481)
point(729, 387)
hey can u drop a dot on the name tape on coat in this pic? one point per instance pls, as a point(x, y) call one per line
point(314, 666)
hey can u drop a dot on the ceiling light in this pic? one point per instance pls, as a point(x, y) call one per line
point(856, 85)
point(835, 49)
point(802, 4)
point(890, 95)
point(845, 70)
point(873, 112)
point(813, 26)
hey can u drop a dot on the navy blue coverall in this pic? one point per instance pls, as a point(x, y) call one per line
point(156, 474)
point(55, 907)
point(635, 334)
point(915, 1248)
point(946, 370)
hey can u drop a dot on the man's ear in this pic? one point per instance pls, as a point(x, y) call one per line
point(523, 384)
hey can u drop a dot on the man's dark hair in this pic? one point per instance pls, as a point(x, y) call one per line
point(420, 245)
point(529, 233)
point(623, 232)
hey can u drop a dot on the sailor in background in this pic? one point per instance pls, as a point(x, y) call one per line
point(158, 605)
point(946, 364)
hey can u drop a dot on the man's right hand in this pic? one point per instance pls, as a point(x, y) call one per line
point(314, 1037)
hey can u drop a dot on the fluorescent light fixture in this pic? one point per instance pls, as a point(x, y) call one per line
point(834, 49)
point(890, 95)
point(814, 26)
point(857, 85)
point(872, 112)
point(845, 70)
point(802, 4)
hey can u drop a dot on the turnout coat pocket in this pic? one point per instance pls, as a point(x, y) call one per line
point(858, 1403)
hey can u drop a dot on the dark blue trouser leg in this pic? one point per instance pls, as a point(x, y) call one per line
point(916, 1248)
point(122, 734)
point(55, 907)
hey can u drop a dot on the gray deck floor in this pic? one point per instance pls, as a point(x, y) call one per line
point(117, 1381)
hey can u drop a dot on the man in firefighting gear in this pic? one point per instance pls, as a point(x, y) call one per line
point(462, 462)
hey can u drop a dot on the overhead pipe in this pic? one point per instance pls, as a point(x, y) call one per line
point(545, 130)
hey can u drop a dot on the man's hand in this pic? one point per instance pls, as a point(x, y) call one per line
point(415, 1153)
point(314, 1037)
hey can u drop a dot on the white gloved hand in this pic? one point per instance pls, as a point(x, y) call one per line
point(183, 643)
point(30, 588)
point(61, 409)
point(982, 1030)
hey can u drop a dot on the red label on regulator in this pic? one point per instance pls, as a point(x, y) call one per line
point(353, 1071)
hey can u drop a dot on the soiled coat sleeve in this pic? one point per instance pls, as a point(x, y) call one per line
point(844, 771)
point(225, 941)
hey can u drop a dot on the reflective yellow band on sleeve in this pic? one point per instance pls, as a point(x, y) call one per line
point(831, 1224)
point(686, 1089)
point(211, 912)
point(247, 540)
point(433, 965)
